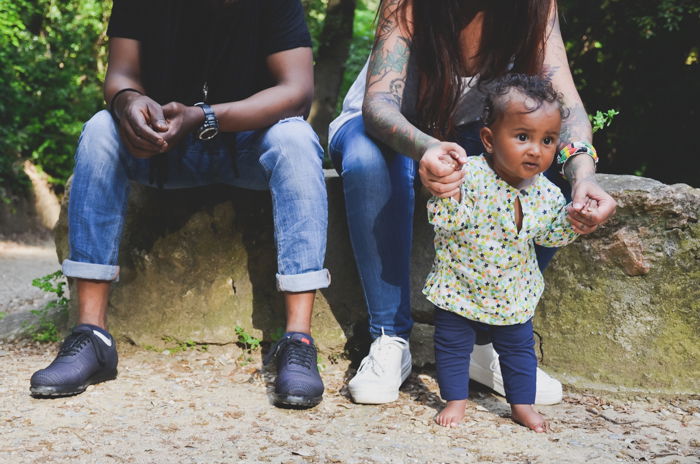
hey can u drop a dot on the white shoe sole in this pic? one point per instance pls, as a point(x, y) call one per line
point(371, 394)
point(548, 391)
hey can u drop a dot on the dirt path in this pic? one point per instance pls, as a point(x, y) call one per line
point(19, 264)
point(213, 407)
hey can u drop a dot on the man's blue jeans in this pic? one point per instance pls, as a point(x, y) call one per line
point(284, 158)
point(379, 200)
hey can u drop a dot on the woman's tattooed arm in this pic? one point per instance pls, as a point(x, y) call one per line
point(386, 81)
point(576, 127)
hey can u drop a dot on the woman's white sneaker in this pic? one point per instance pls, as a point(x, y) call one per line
point(485, 369)
point(382, 371)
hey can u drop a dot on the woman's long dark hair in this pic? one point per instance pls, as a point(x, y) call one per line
point(513, 31)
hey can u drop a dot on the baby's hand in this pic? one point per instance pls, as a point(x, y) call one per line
point(448, 159)
point(590, 208)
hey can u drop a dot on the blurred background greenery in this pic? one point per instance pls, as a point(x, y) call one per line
point(638, 57)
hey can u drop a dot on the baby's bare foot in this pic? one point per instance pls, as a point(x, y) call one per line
point(453, 413)
point(525, 414)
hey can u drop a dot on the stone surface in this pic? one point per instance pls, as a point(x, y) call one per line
point(620, 308)
point(196, 263)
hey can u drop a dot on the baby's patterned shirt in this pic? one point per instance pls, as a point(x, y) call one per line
point(485, 269)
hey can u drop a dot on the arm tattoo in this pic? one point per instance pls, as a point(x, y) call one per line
point(548, 71)
point(382, 107)
point(576, 127)
point(392, 61)
point(384, 120)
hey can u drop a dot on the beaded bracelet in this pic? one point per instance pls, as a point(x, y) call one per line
point(574, 149)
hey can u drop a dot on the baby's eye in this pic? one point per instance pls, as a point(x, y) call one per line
point(548, 140)
point(522, 137)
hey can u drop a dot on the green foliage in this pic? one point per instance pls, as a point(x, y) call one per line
point(178, 346)
point(642, 60)
point(315, 15)
point(361, 46)
point(2, 315)
point(249, 344)
point(599, 120)
point(51, 66)
point(247, 341)
point(45, 330)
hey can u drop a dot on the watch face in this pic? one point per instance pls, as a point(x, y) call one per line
point(208, 133)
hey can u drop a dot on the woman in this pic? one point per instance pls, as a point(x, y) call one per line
point(421, 99)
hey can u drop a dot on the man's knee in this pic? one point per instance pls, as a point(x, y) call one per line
point(99, 141)
point(101, 125)
point(292, 137)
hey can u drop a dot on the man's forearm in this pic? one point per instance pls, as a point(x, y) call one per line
point(263, 109)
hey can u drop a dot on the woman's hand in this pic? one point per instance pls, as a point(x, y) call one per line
point(591, 205)
point(442, 179)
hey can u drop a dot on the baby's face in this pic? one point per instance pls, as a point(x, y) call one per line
point(523, 144)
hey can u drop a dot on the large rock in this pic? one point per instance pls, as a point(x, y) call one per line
point(620, 308)
point(196, 263)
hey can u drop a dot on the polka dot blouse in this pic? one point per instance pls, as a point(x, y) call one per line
point(484, 268)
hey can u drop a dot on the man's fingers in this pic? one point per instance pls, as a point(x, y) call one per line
point(145, 135)
point(136, 142)
point(157, 117)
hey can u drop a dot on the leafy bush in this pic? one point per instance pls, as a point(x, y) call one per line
point(52, 58)
point(45, 329)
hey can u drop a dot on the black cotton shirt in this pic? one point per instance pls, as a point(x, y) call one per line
point(185, 43)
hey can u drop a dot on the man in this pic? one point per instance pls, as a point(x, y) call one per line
point(199, 93)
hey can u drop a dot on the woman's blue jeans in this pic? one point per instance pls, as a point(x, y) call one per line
point(284, 158)
point(379, 187)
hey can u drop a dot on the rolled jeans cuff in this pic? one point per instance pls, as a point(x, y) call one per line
point(304, 282)
point(90, 271)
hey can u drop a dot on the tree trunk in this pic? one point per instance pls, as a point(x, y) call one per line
point(334, 44)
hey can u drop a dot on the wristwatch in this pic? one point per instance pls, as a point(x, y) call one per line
point(210, 127)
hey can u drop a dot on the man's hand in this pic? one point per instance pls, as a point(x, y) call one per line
point(442, 179)
point(591, 205)
point(181, 120)
point(141, 123)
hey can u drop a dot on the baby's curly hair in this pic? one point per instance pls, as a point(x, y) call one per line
point(536, 89)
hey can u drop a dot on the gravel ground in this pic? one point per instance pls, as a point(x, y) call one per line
point(213, 406)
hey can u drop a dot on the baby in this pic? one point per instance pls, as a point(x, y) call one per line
point(485, 275)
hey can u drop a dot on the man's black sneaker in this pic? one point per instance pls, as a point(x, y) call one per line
point(88, 356)
point(298, 382)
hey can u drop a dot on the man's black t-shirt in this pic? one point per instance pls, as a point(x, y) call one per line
point(185, 43)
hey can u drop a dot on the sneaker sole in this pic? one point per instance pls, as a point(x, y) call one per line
point(486, 377)
point(57, 391)
point(295, 401)
point(375, 396)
